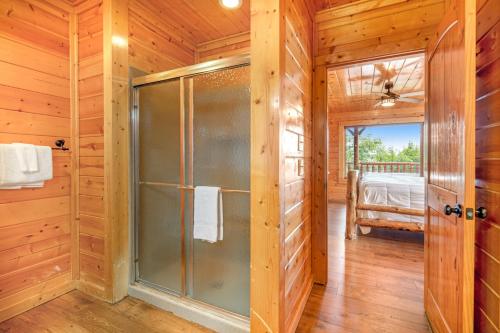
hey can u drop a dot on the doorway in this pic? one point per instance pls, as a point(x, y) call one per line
point(376, 280)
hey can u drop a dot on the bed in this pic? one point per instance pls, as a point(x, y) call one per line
point(378, 200)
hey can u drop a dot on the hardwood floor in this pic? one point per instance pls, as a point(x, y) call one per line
point(375, 283)
point(76, 312)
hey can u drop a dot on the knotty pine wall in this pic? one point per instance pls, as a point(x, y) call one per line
point(155, 45)
point(487, 281)
point(93, 268)
point(35, 227)
point(223, 48)
point(372, 28)
point(297, 140)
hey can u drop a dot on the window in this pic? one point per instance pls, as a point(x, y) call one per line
point(383, 148)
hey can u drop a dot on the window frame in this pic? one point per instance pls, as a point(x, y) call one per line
point(342, 178)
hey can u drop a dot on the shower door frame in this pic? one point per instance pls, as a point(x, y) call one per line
point(181, 74)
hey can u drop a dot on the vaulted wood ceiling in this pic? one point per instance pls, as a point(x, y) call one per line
point(358, 87)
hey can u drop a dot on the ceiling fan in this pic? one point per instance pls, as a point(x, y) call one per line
point(389, 97)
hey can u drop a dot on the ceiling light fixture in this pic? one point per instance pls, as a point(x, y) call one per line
point(231, 4)
point(119, 41)
point(387, 102)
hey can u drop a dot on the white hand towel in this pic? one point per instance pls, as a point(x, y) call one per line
point(208, 219)
point(27, 156)
point(11, 175)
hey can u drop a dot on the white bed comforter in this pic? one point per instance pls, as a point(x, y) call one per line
point(400, 190)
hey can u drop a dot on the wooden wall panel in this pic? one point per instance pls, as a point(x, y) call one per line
point(35, 108)
point(155, 45)
point(222, 48)
point(297, 140)
point(487, 279)
point(91, 150)
point(267, 294)
point(369, 29)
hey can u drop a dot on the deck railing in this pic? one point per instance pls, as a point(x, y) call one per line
point(387, 167)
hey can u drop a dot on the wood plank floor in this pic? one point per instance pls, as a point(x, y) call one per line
point(375, 283)
point(79, 313)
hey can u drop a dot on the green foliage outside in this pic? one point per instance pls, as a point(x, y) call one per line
point(373, 150)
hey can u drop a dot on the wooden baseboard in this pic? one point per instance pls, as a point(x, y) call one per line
point(29, 298)
point(301, 306)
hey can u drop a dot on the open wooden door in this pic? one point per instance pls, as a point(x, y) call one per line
point(450, 122)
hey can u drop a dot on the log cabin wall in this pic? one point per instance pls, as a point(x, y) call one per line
point(366, 30)
point(35, 224)
point(296, 142)
point(487, 266)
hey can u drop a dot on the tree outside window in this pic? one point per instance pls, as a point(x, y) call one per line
point(387, 144)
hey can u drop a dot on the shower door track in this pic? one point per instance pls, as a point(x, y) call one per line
point(181, 74)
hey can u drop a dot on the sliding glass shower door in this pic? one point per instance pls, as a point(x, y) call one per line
point(193, 128)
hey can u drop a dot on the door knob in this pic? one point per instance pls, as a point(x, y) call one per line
point(457, 210)
point(481, 213)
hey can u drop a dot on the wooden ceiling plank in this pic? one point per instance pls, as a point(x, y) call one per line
point(358, 95)
point(406, 73)
point(381, 26)
point(350, 9)
point(387, 12)
point(367, 78)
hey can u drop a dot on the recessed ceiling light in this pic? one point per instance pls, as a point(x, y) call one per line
point(231, 4)
point(119, 41)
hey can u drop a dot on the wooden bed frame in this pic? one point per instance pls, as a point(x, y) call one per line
point(352, 220)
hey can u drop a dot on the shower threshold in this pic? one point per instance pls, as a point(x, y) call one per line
point(206, 315)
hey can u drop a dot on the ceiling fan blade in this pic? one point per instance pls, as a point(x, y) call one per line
point(414, 93)
point(410, 100)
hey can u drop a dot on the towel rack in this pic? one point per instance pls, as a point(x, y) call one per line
point(188, 187)
point(181, 187)
point(60, 145)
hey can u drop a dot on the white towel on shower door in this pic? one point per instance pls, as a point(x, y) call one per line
point(208, 219)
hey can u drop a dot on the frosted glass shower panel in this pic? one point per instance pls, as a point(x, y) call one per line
point(159, 241)
point(159, 132)
point(221, 157)
point(221, 125)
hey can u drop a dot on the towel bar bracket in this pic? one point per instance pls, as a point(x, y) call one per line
point(60, 145)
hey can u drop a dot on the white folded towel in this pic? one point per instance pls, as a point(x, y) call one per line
point(11, 174)
point(208, 219)
point(27, 157)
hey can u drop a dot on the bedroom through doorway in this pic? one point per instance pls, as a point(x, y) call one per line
point(375, 198)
